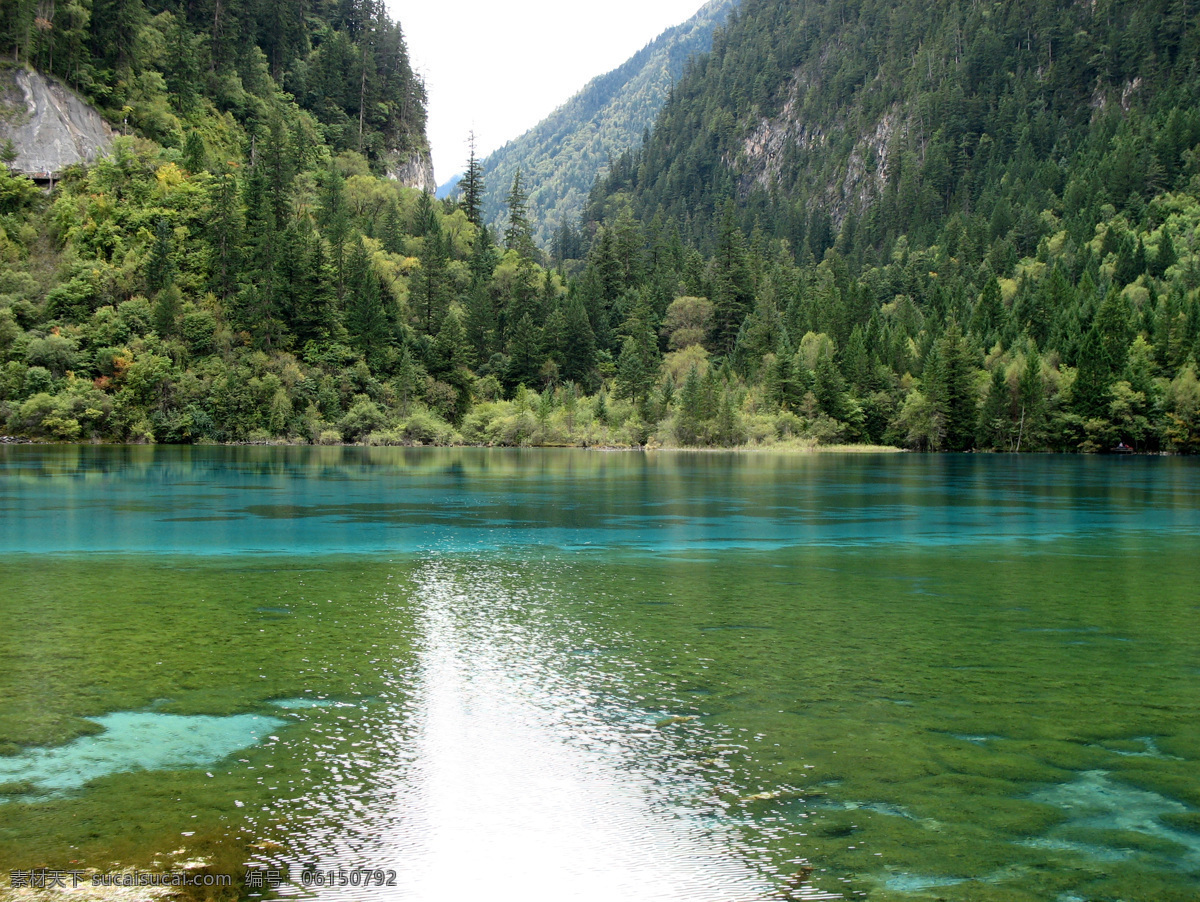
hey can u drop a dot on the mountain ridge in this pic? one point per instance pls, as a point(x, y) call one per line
point(805, 104)
point(561, 156)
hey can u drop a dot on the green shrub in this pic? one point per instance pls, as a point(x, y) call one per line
point(426, 428)
point(55, 353)
point(363, 417)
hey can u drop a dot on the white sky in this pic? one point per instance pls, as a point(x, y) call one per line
point(501, 67)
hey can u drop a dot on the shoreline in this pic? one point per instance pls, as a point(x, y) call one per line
point(283, 443)
point(782, 448)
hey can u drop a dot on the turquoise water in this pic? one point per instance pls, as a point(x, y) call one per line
point(580, 674)
point(359, 500)
point(131, 741)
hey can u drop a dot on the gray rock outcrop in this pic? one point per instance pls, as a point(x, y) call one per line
point(50, 126)
point(415, 171)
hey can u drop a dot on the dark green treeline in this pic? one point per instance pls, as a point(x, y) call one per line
point(987, 243)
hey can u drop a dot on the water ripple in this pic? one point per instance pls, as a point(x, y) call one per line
point(518, 766)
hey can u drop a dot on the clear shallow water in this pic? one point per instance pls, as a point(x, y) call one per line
point(587, 675)
point(130, 741)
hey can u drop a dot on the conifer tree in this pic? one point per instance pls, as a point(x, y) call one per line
point(256, 311)
point(666, 397)
point(167, 308)
point(365, 318)
point(524, 353)
point(225, 236)
point(1139, 259)
point(710, 394)
point(473, 187)
point(115, 26)
point(261, 223)
point(429, 289)
point(408, 377)
point(856, 363)
point(393, 233)
point(451, 353)
point(689, 421)
point(335, 224)
point(518, 235)
point(1031, 394)
point(728, 429)
point(160, 267)
point(952, 389)
point(579, 350)
point(633, 376)
point(1166, 256)
point(450, 345)
point(732, 291)
point(195, 157)
point(554, 336)
point(829, 387)
point(1033, 310)
point(606, 269)
point(1114, 328)
point(989, 311)
point(779, 382)
point(1090, 394)
point(995, 421)
point(424, 216)
point(638, 364)
point(483, 256)
point(278, 162)
point(600, 406)
point(480, 325)
point(522, 299)
point(307, 300)
point(591, 292)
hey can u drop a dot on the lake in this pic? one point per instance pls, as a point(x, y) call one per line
point(549, 675)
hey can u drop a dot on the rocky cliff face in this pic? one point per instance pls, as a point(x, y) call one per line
point(776, 142)
point(414, 171)
point(50, 126)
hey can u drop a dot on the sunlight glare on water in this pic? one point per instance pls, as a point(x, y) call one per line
point(517, 775)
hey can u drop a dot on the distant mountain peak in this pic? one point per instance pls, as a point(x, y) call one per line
point(561, 156)
point(449, 187)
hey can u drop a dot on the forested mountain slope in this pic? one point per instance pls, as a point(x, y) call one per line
point(925, 224)
point(898, 115)
point(911, 112)
point(955, 197)
point(162, 67)
point(561, 156)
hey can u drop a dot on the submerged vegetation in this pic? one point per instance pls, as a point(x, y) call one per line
point(937, 689)
point(50, 705)
point(999, 251)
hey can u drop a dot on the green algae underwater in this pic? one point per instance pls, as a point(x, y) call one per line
point(900, 679)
